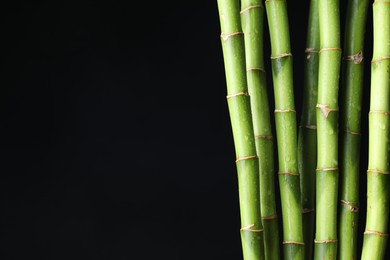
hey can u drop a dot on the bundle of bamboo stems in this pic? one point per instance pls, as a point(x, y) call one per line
point(318, 162)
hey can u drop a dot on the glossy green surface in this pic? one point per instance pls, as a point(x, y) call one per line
point(252, 17)
point(352, 84)
point(307, 136)
point(232, 40)
point(286, 129)
point(327, 131)
point(378, 176)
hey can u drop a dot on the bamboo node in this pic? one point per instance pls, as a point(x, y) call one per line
point(271, 217)
point(329, 49)
point(246, 158)
point(327, 169)
point(284, 110)
point(352, 132)
point(313, 127)
point(226, 36)
point(352, 206)
point(377, 171)
point(346, 202)
point(293, 243)
point(237, 95)
point(357, 58)
point(310, 51)
point(379, 112)
point(250, 7)
point(281, 56)
point(307, 210)
point(326, 241)
point(377, 233)
point(380, 59)
point(256, 69)
point(269, 137)
point(326, 110)
point(288, 173)
point(249, 228)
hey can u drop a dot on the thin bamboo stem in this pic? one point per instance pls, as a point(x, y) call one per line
point(252, 17)
point(327, 131)
point(232, 39)
point(285, 119)
point(352, 84)
point(307, 137)
point(378, 174)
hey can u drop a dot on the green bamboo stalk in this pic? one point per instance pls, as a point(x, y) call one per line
point(307, 137)
point(327, 131)
point(285, 119)
point(352, 84)
point(232, 39)
point(378, 174)
point(252, 17)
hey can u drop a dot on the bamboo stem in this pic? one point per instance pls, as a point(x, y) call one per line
point(352, 79)
point(378, 174)
point(252, 17)
point(285, 119)
point(232, 40)
point(327, 129)
point(307, 137)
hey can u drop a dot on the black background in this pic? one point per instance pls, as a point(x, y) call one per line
point(116, 139)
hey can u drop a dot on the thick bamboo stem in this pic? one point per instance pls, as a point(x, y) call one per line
point(307, 137)
point(352, 84)
point(232, 39)
point(285, 119)
point(252, 17)
point(378, 174)
point(327, 131)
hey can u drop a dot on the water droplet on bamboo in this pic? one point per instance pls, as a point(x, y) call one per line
point(288, 159)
